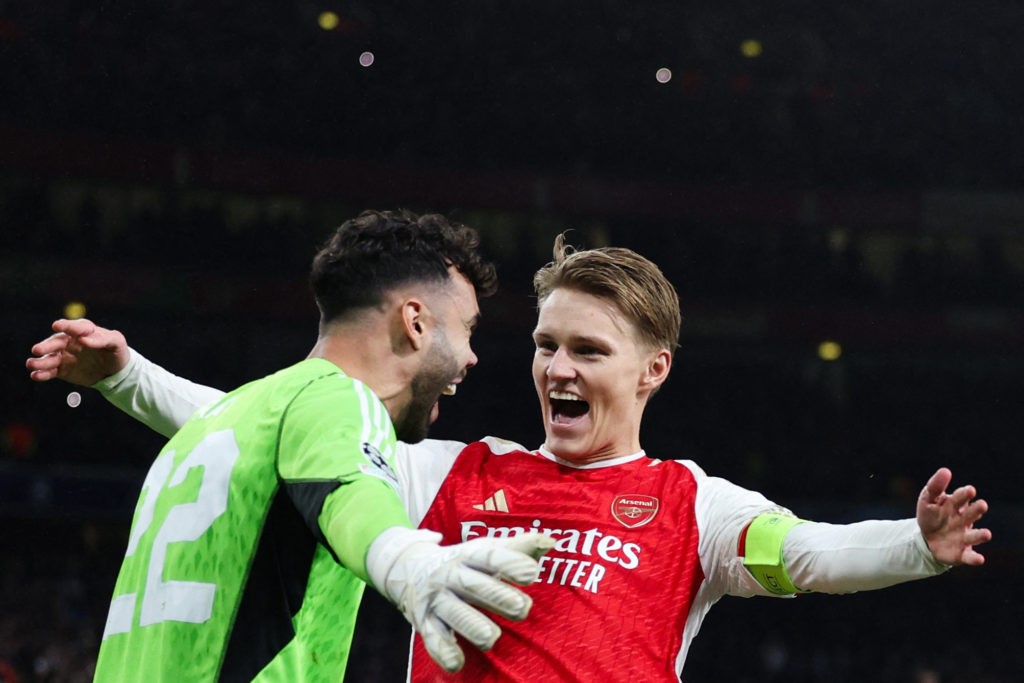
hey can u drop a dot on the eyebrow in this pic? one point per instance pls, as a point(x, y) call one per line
point(574, 339)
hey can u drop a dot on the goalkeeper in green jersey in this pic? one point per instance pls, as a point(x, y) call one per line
point(262, 518)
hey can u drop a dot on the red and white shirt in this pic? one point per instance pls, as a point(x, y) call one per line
point(644, 548)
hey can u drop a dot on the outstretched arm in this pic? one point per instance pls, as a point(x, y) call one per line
point(874, 554)
point(84, 353)
point(786, 555)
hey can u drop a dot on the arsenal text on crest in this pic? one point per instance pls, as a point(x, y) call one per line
point(634, 510)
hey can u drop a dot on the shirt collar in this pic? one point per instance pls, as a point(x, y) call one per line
point(610, 462)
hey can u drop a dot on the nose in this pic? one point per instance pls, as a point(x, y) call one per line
point(560, 366)
point(472, 360)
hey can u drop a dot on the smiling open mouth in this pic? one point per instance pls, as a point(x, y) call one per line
point(567, 407)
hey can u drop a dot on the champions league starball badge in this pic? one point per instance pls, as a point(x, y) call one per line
point(379, 466)
point(634, 510)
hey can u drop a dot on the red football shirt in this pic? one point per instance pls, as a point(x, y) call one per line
point(613, 595)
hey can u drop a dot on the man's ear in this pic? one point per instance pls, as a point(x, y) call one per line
point(414, 319)
point(657, 370)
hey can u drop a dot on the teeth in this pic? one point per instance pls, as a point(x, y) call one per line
point(449, 390)
point(563, 396)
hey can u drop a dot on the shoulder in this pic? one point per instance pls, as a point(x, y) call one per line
point(714, 495)
point(321, 378)
point(492, 451)
point(498, 446)
point(431, 458)
point(316, 370)
point(719, 500)
point(485, 447)
point(691, 469)
point(683, 469)
point(321, 396)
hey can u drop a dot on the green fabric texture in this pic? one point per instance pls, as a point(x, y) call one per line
point(202, 511)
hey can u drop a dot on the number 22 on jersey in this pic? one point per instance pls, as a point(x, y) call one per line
point(176, 600)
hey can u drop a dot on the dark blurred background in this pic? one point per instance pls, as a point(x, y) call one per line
point(836, 190)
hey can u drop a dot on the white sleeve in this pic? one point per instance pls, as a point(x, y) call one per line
point(160, 400)
point(422, 468)
point(723, 511)
point(845, 558)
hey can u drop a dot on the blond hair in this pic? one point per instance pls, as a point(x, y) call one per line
point(625, 278)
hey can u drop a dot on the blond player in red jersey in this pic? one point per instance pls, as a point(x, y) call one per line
point(644, 546)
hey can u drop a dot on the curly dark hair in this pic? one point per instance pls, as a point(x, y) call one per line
point(379, 250)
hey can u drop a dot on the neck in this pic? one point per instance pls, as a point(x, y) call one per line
point(588, 464)
point(368, 356)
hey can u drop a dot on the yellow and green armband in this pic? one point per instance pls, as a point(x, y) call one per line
point(763, 552)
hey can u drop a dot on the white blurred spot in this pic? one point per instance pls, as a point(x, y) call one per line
point(664, 75)
point(366, 59)
point(74, 399)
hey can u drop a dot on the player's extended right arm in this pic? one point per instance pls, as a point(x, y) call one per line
point(159, 399)
point(84, 353)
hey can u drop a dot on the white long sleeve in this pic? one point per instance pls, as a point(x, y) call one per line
point(159, 399)
point(845, 558)
point(422, 468)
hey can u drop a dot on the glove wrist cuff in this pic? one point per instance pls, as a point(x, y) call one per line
point(388, 547)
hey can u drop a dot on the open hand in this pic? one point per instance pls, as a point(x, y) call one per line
point(79, 352)
point(947, 520)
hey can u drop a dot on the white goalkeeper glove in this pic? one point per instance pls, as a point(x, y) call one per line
point(436, 587)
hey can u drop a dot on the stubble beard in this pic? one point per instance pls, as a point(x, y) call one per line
point(439, 368)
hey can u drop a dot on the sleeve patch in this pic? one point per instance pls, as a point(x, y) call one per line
point(377, 465)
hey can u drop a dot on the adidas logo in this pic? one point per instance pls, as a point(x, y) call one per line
point(495, 503)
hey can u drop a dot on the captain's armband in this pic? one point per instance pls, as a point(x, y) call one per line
point(762, 551)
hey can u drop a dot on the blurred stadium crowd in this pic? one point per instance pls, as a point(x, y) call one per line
point(883, 93)
point(851, 175)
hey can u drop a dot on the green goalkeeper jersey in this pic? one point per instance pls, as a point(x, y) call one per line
point(229, 575)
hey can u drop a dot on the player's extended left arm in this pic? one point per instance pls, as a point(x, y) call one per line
point(787, 555)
